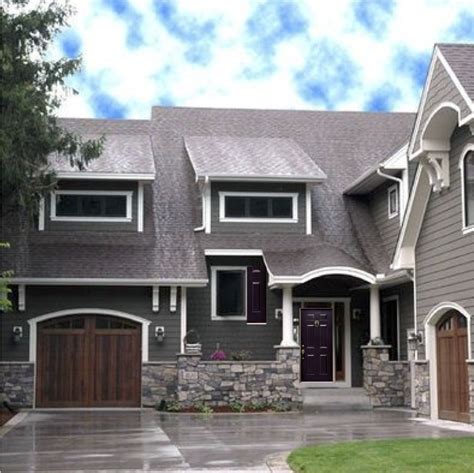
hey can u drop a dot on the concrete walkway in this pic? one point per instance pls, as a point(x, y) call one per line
point(148, 441)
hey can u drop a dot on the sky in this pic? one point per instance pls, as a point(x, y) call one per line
point(370, 55)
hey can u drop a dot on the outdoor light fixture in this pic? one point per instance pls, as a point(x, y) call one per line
point(414, 339)
point(17, 334)
point(159, 334)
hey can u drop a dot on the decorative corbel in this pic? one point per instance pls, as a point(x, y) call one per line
point(436, 164)
point(156, 299)
point(173, 298)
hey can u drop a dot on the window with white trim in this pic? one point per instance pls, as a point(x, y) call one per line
point(229, 292)
point(468, 184)
point(91, 206)
point(258, 207)
point(393, 201)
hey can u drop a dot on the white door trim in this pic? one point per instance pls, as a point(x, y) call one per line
point(62, 313)
point(396, 298)
point(433, 317)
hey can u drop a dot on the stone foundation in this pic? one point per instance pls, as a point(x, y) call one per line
point(470, 374)
point(422, 388)
point(219, 383)
point(17, 383)
point(159, 383)
point(387, 382)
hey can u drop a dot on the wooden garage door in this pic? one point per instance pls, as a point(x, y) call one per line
point(88, 361)
point(452, 353)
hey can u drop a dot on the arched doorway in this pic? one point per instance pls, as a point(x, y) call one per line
point(88, 360)
point(452, 375)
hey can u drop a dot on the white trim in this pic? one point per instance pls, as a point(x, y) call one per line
point(106, 176)
point(55, 218)
point(309, 215)
point(155, 299)
point(173, 298)
point(108, 282)
point(214, 315)
point(184, 317)
point(33, 323)
point(21, 298)
point(347, 383)
point(41, 214)
point(140, 201)
point(395, 298)
point(465, 227)
point(429, 324)
point(326, 271)
point(233, 252)
point(394, 214)
point(267, 178)
point(207, 207)
point(224, 194)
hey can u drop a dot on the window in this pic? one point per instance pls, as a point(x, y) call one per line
point(258, 206)
point(238, 293)
point(468, 191)
point(393, 201)
point(88, 206)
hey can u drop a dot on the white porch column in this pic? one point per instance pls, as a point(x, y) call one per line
point(375, 331)
point(287, 318)
point(184, 316)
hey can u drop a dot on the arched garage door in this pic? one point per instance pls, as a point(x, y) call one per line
point(88, 361)
point(452, 353)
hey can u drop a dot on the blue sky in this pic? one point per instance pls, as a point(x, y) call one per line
point(295, 54)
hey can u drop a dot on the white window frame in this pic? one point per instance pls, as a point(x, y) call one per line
point(224, 194)
point(465, 227)
point(391, 189)
point(395, 298)
point(214, 315)
point(56, 218)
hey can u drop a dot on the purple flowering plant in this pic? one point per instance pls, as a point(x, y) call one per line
point(218, 355)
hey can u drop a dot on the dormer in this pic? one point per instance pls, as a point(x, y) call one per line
point(250, 184)
point(109, 194)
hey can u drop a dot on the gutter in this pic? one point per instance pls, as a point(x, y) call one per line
point(202, 227)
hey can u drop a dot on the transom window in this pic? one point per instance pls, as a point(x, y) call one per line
point(75, 205)
point(393, 201)
point(468, 172)
point(257, 206)
point(229, 292)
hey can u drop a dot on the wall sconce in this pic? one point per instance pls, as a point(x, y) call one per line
point(356, 314)
point(17, 334)
point(414, 339)
point(160, 334)
point(278, 314)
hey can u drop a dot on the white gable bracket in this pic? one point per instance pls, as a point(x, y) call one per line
point(436, 164)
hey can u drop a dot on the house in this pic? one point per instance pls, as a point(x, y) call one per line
point(316, 249)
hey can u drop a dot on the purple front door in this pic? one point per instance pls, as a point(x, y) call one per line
point(316, 345)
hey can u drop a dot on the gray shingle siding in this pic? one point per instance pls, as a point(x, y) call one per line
point(442, 89)
point(387, 227)
point(42, 300)
point(444, 256)
point(233, 335)
point(262, 228)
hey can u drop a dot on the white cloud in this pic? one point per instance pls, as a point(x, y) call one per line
point(158, 69)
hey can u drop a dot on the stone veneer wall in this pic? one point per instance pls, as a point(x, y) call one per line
point(218, 383)
point(470, 368)
point(422, 388)
point(159, 382)
point(387, 382)
point(17, 383)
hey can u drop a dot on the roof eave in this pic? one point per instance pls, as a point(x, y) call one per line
point(106, 176)
point(262, 178)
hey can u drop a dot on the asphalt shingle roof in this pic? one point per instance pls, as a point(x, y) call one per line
point(250, 157)
point(461, 59)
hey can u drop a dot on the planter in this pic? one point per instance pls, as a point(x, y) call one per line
point(193, 348)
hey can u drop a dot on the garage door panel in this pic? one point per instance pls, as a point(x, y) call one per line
point(92, 366)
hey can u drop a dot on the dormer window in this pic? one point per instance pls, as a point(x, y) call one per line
point(468, 191)
point(393, 201)
point(91, 206)
point(258, 207)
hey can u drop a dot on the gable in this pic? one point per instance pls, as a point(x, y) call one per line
point(442, 89)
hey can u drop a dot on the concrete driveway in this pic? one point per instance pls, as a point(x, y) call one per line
point(149, 441)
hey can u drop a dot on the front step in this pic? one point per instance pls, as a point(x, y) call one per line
point(330, 399)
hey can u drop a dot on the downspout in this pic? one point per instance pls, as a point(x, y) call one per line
point(203, 200)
